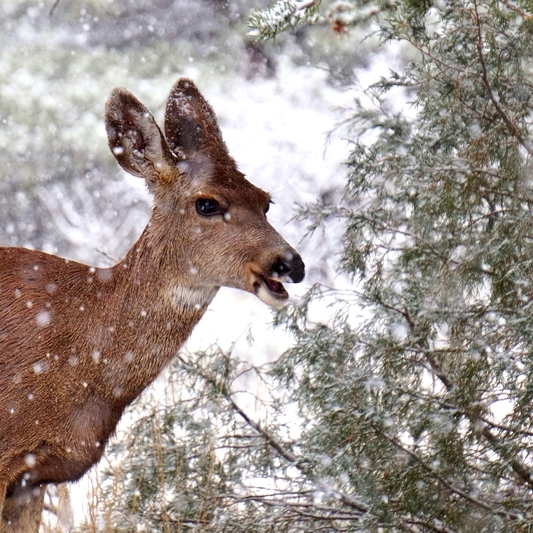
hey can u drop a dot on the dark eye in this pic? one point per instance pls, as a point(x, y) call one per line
point(268, 206)
point(207, 207)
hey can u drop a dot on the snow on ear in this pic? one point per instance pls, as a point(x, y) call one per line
point(191, 125)
point(136, 140)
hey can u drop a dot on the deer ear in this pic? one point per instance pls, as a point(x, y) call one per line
point(136, 140)
point(191, 125)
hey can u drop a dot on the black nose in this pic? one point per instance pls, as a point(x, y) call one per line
point(290, 265)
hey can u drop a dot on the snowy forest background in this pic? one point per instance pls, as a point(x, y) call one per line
point(395, 392)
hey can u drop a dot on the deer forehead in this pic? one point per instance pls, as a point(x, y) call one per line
point(197, 170)
point(223, 182)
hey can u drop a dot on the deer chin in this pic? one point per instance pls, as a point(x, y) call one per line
point(271, 292)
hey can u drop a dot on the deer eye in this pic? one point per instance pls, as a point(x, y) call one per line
point(268, 206)
point(207, 207)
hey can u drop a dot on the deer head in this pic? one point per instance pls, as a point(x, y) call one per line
point(209, 223)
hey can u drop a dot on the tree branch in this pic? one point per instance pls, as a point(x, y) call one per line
point(486, 506)
point(224, 390)
point(519, 469)
point(511, 126)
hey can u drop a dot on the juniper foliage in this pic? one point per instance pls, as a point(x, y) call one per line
point(422, 407)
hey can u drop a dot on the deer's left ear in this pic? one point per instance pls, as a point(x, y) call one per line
point(191, 126)
point(136, 140)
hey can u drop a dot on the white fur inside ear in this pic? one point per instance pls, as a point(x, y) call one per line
point(266, 296)
point(152, 139)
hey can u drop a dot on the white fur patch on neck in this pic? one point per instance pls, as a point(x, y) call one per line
point(195, 297)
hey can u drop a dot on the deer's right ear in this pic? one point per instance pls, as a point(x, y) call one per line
point(136, 140)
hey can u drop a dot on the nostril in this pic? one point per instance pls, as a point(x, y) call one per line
point(290, 264)
point(281, 266)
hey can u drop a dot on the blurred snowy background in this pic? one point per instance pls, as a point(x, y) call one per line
point(278, 106)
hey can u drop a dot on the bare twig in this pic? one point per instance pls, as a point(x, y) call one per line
point(53, 8)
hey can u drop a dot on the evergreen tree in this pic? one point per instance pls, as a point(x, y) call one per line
point(411, 407)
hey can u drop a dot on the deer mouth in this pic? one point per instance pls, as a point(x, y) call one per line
point(276, 288)
point(271, 291)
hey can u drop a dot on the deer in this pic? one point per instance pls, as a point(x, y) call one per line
point(79, 343)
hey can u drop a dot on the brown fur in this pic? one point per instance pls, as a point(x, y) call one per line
point(78, 343)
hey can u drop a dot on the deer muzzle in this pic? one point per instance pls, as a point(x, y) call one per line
point(286, 268)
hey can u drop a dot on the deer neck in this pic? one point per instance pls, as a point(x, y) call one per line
point(155, 313)
point(156, 274)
